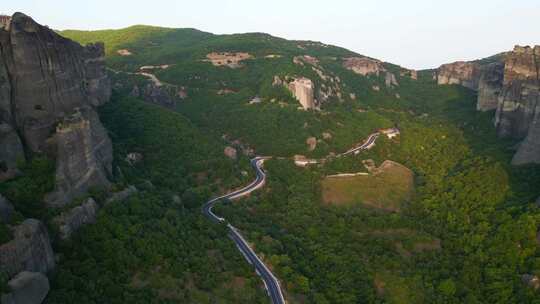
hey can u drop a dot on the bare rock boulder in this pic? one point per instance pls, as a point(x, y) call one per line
point(27, 288)
point(29, 250)
point(520, 93)
point(532, 281)
point(312, 143)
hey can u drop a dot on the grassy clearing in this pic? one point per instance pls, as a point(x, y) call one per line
point(386, 187)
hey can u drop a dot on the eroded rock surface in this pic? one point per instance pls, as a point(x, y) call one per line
point(27, 288)
point(463, 73)
point(511, 86)
point(29, 250)
point(49, 86)
point(6, 209)
point(363, 65)
point(84, 151)
point(490, 86)
point(70, 221)
point(520, 93)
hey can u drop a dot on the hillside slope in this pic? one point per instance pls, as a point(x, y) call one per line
point(453, 242)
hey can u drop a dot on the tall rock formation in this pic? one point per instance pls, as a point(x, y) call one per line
point(518, 112)
point(302, 89)
point(520, 92)
point(511, 86)
point(49, 86)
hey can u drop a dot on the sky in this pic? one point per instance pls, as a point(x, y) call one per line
point(412, 33)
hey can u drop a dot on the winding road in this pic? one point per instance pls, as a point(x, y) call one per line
point(272, 284)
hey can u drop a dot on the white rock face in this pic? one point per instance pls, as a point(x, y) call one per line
point(27, 288)
point(302, 89)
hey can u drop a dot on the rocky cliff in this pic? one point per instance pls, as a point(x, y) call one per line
point(463, 73)
point(511, 86)
point(489, 86)
point(29, 250)
point(518, 107)
point(49, 86)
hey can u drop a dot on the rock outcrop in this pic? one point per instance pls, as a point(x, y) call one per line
point(518, 110)
point(29, 250)
point(121, 196)
point(463, 73)
point(511, 86)
point(390, 80)
point(71, 221)
point(302, 89)
point(363, 65)
point(27, 288)
point(230, 152)
point(49, 86)
point(311, 142)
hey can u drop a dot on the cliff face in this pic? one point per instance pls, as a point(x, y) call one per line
point(520, 92)
point(511, 86)
point(45, 79)
point(30, 250)
point(463, 73)
point(489, 86)
point(518, 112)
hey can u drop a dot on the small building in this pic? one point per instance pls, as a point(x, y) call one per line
point(390, 133)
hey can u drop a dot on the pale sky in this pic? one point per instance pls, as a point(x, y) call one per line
point(412, 33)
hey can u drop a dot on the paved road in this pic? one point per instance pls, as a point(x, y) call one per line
point(366, 145)
point(270, 281)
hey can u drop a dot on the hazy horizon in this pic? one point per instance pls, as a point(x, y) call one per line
point(417, 34)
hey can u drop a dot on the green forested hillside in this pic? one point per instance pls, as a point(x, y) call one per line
point(466, 236)
point(156, 247)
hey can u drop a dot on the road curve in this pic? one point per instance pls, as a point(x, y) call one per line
point(270, 281)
